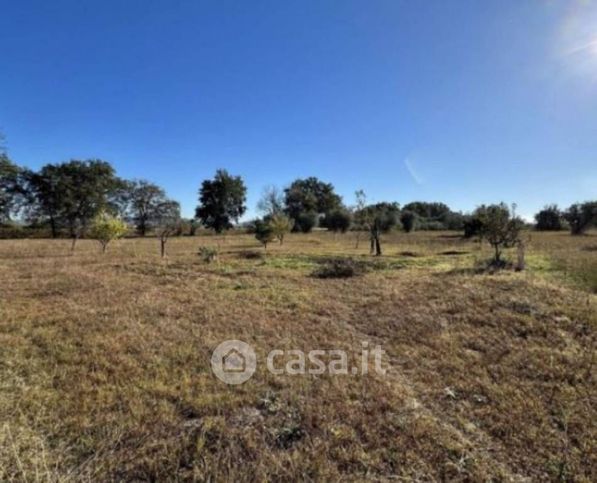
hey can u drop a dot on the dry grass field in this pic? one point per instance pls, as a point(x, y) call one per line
point(105, 361)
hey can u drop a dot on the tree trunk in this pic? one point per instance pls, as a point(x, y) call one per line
point(497, 254)
point(163, 247)
point(73, 243)
point(377, 246)
point(53, 227)
point(104, 247)
point(520, 265)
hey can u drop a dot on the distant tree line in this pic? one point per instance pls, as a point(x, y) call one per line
point(65, 199)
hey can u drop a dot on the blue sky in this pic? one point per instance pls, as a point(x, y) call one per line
point(465, 102)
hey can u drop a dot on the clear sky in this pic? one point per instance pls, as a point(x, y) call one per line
point(458, 101)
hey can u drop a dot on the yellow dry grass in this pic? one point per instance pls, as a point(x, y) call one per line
point(105, 362)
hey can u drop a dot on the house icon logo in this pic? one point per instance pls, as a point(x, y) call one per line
point(233, 362)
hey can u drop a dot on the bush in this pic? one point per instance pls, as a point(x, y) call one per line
point(581, 217)
point(250, 255)
point(305, 222)
point(409, 221)
point(339, 268)
point(500, 227)
point(105, 228)
point(280, 225)
point(473, 226)
point(549, 218)
point(337, 221)
point(264, 232)
point(208, 254)
point(454, 221)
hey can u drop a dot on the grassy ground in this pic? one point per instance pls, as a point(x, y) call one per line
point(105, 375)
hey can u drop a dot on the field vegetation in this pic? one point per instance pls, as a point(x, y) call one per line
point(105, 370)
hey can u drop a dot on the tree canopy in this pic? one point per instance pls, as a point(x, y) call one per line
point(309, 196)
point(581, 216)
point(11, 188)
point(221, 201)
point(71, 194)
point(148, 202)
point(549, 218)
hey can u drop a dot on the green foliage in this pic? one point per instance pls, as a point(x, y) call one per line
point(168, 222)
point(453, 221)
point(435, 216)
point(339, 268)
point(408, 220)
point(499, 226)
point(338, 220)
point(189, 226)
point(208, 254)
point(71, 194)
point(11, 188)
point(147, 204)
point(264, 231)
point(581, 216)
point(280, 225)
point(305, 222)
point(423, 225)
point(379, 218)
point(221, 201)
point(428, 210)
point(105, 228)
point(310, 196)
point(472, 226)
point(383, 216)
point(549, 218)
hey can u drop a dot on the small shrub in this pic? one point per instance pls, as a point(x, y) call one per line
point(280, 224)
point(105, 228)
point(250, 255)
point(208, 254)
point(472, 226)
point(264, 232)
point(339, 268)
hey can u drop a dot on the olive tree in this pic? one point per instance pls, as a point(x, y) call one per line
point(358, 216)
point(280, 225)
point(549, 218)
point(264, 232)
point(105, 228)
point(377, 219)
point(581, 216)
point(500, 227)
point(168, 223)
